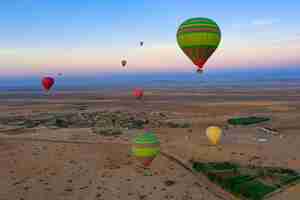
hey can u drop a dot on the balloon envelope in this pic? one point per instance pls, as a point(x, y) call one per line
point(138, 93)
point(47, 83)
point(198, 38)
point(141, 43)
point(145, 148)
point(123, 62)
point(214, 134)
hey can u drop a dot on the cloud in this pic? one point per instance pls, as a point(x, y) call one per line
point(8, 51)
point(292, 41)
point(265, 22)
point(255, 26)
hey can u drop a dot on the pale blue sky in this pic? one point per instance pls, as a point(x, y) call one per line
point(94, 35)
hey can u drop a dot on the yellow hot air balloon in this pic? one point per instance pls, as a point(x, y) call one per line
point(214, 134)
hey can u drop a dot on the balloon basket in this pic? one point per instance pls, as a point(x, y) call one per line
point(199, 71)
point(147, 172)
point(215, 147)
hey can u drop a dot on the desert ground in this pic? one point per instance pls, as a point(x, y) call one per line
point(74, 162)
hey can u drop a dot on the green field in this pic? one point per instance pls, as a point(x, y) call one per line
point(244, 121)
point(252, 183)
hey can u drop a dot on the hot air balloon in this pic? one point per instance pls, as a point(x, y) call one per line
point(47, 83)
point(138, 93)
point(123, 62)
point(141, 43)
point(198, 38)
point(59, 74)
point(145, 147)
point(214, 134)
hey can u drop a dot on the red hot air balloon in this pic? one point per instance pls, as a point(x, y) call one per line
point(47, 83)
point(138, 93)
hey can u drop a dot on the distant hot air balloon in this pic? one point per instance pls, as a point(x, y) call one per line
point(138, 93)
point(123, 62)
point(141, 43)
point(198, 38)
point(59, 74)
point(145, 147)
point(214, 134)
point(47, 83)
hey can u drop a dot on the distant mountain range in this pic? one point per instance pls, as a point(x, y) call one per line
point(221, 79)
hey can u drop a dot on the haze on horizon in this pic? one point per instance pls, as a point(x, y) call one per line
point(82, 38)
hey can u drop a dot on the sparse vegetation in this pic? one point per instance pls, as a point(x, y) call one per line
point(99, 121)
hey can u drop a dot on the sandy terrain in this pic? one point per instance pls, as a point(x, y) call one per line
point(75, 163)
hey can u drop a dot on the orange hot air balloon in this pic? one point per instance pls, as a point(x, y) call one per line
point(138, 93)
point(47, 83)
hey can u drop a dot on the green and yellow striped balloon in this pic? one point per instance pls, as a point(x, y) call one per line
point(198, 38)
point(145, 148)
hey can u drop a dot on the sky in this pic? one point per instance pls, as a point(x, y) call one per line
point(92, 36)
